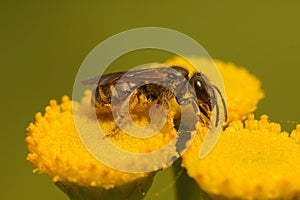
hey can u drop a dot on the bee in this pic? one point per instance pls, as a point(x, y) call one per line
point(159, 85)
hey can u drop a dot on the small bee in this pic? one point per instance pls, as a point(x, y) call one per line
point(158, 85)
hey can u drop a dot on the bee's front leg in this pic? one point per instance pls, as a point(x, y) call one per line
point(190, 107)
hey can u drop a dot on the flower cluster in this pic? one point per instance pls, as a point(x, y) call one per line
point(253, 159)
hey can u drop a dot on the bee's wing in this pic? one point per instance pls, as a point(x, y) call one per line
point(151, 75)
point(104, 79)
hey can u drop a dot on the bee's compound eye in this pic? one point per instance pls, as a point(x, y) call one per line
point(198, 85)
point(201, 90)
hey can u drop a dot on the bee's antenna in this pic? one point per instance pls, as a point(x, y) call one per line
point(224, 105)
point(218, 112)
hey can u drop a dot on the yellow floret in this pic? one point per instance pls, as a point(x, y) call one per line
point(243, 90)
point(257, 161)
point(296, 134)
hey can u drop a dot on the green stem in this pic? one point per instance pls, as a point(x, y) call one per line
point(186, 187)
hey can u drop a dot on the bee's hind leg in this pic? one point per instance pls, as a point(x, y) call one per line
point(161, 106)
point(121, 115)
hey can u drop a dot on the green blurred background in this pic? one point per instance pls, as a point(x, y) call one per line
point(44, 43)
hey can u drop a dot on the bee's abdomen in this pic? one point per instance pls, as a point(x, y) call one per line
point(102, 95)
point(154, 91)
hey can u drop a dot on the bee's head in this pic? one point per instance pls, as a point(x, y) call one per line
point(203, 90)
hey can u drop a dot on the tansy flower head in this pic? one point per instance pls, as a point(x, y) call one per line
point(252, 160)
point(57, 151)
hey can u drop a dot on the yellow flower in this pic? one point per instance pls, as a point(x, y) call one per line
point(57, 151)
point(243, 90)
point(252, 160)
